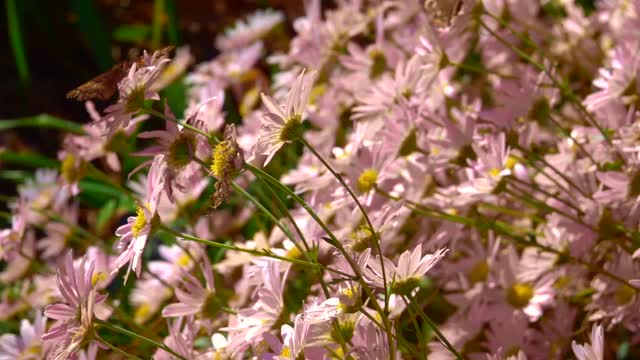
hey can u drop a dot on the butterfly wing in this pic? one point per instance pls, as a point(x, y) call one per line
point(102, 87)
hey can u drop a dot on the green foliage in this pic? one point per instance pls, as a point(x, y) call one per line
point(41, 121)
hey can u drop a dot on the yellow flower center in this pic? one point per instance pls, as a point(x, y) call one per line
point(70, 171)
point(378, 64)
point(286, 352)
point(367, 180)
point(97, 277)
point(135, 101)
point(495, 172)
point(140, 223)
point(222, 154)
point(292, 128)
point(142, 313)
point(510, 163)
point(479, 272)
point(183, 260)
point(519, 295)
point(624, 295)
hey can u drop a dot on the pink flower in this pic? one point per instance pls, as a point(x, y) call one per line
point(134, 89)
point(133, 235)
point(244, 33)
point(593, 351)
point(28, 344)
point(75, 314)
point(282, 124)
point(405, 276)
point(194, 298)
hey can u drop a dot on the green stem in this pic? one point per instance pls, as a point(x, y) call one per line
point(17, 45)
point(354, 266)
point(235, 248)
point(160, 115)
point(138, 336)
point(156, 31)
point(121, 352)
point(506, 230)
point(375, 237)
point(435, 329)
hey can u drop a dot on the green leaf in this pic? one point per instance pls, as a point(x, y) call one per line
point(172, 24)
point(17, 44)
point(134, 33)
point(106, 213)
point(91, 25)
point(41, 121)
point(14, 175)
point(158, 23)
point(28, 159)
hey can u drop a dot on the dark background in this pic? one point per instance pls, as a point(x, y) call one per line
point(67, 42)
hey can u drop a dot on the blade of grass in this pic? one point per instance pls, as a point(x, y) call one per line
point(41, 121)
point(172, 22)
point(158, 19)
point(92, 26)
point(28, 159)
point(17, 44)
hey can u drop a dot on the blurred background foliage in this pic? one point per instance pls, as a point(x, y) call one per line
point(54, 46)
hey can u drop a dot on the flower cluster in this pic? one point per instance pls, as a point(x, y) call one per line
point(451, 179)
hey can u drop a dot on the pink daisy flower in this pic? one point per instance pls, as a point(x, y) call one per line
point(282, 124)
point(133, 235)
point(76, 313)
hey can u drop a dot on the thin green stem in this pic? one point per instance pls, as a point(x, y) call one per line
point(354, 266)
point(138, 336)
point(263, 253)
point(375, 238)
point(506, 230)
point(17, 44)
point(435, 329)
point(158, 17)
point(121, 352)
point(160, 115)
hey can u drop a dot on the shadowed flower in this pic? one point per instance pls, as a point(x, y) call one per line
point(28, 344)
point(244, 33)
point(593, 351)
point(134, 90)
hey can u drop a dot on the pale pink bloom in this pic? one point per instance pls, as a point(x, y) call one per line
point(405, 276)
point(243, 33)
point(613, 83)
point(75, 314)
point(96, 142)
point(370, 342)
point(593, 351)
point(193, 297)
point(28, 344)
point(282, 123)
point(174, 69)
point(18, 264)
point(293, 340)
point(42, 192)
point(133, 235)
point(252, 323)
point(180, 340)
point(11, 239)
point(134, 89)
point(492, 164)
point(58, 233)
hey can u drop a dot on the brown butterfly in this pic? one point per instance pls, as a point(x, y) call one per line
point(442, 11)
point(103, 86)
